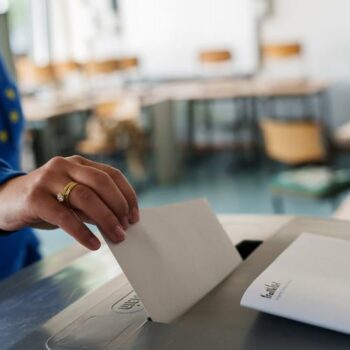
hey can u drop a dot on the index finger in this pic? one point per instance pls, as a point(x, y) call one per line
point(122, 183)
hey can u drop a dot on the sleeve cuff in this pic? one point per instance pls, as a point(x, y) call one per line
point(6, 233)
point(7, 173)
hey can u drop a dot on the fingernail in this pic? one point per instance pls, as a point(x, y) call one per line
point(94, 243)
point(125, 222)
point(135, 215)
point(119, 233)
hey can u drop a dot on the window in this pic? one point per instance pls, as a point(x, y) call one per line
point(19, 20)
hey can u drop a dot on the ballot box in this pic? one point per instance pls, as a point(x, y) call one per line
point(113, 317)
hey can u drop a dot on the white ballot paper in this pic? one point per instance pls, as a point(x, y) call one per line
point(174, 256)
point(308, 282)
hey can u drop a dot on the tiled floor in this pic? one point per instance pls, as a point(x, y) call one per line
point(229, 188)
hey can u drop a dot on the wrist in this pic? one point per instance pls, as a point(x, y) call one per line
point(11, 206)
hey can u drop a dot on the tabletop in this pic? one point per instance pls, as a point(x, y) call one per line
point(56, 103)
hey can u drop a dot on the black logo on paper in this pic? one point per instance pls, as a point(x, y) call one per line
point(270, 290)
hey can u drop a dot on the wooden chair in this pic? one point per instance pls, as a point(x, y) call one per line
point(294, 142)
point(281, 51)
point(282, 66)
point(70, 76)
point(106, 110)
point(215, 56)
point(32, 76)
point(101, 74)
point(114, 134)
point(298, 145)
point(129, 69)
point(112, 65)
point(214, 64)
point(101, 67)
point(62, 69)
point(282, 61)
point(127, 63)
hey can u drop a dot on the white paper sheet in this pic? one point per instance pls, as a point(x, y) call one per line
point(174, 256)
point(308, 282)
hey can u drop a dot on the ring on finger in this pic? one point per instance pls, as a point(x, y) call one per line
point(63, 197)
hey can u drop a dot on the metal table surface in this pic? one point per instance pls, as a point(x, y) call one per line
point(35, 295)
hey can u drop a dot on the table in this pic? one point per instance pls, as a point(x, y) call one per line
point(58, 103)
point(33, 296)
point(159, 99)
point(258, 97)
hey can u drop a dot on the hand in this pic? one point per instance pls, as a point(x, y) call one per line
point(103, 197)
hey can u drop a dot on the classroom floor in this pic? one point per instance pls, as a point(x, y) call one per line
point(228, 186)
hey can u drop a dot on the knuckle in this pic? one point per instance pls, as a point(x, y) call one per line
point(56, 163)
point(44, 176)
point(76, 158)
point(99, 177)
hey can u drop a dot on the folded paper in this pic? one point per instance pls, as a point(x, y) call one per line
point(174, 256)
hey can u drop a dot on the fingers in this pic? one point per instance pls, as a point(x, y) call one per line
point(61, 216)
point(103, 185)
point(86, 201)
point(103, 197)
point(118, 179)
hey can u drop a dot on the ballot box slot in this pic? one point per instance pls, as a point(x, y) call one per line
point(113, 320)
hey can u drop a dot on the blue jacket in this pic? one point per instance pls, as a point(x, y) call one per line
point(19, 249)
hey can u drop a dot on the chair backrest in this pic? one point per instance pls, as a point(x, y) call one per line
point(127, 63)
point(219, 56)
point(106, 109)
point(281, 51)
point(102, 67)
point(294, 142)
point(30, 74)
point(64, 68)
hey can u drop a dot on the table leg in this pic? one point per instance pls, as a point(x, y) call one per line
point(325, 108)
point(190, 125)
point(167, 153)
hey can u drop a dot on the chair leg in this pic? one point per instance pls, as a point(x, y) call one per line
point(277, 204)
point(209, 122)
point(191, 126)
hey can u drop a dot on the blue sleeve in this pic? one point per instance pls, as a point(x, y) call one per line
point(7, 173)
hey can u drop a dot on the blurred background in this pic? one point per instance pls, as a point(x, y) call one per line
point(244, 102)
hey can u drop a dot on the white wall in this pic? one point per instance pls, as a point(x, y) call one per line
point(323, 26)
point(168, 34)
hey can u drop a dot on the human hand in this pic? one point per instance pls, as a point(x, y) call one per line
point(102, 197)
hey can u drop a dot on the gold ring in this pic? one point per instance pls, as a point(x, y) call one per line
point(63, 197)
